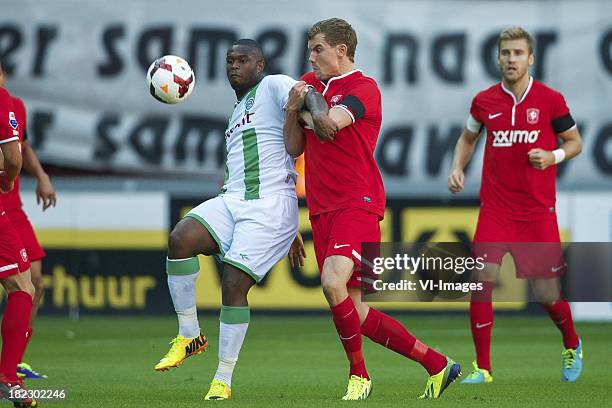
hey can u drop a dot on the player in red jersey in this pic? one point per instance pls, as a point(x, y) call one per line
point(524, 119)
point(45, 195)
point(14, 265)
point(346, 199)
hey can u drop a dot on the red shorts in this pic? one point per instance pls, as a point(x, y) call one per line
point(24, 229)
point(342, 232)
point(13, 256)
point(534, 245)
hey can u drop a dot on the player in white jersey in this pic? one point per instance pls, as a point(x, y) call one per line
point(249, 227)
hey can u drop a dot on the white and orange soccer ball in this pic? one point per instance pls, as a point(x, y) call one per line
point(170, 79)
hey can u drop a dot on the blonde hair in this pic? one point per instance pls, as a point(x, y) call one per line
point(515, 33)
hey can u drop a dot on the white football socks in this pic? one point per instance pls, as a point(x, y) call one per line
point(182, 290)
point(231, 337)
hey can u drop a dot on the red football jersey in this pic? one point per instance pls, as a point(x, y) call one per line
point(9, 126)
point(343, 173)
point(511, 186)
point(12, 200)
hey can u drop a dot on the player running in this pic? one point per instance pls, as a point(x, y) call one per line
point(524, 119)
point(45, 195)
point(249, 226)
point(346, 200)
point(14, 265)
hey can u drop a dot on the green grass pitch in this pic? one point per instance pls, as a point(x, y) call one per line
point(298, 361)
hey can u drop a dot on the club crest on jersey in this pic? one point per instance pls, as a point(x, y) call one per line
point(13, 120)
point(24, 255)
point(533, 115)
point(335, 99)
point(249, 103)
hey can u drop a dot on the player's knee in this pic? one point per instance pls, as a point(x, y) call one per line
point(546, 296)
point(21, 285)
point(235, 286)
point(178, 244)
point(332, 286)
point(487, 274)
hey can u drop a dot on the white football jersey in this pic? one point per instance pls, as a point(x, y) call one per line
point(257, 162)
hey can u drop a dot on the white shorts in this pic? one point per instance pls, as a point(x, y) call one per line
point(253, 235)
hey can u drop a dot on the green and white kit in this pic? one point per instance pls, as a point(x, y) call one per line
point(255, 217)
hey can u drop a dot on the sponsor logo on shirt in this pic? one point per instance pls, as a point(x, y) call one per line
point(13, 120)
point(506, 138)
point(533, 115)
point(246, 119)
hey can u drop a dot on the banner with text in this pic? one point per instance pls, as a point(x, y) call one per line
point(80, 68)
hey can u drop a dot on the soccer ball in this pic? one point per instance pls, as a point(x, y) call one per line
point(170, 79)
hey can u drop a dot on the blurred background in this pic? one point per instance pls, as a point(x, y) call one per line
point(127, 167)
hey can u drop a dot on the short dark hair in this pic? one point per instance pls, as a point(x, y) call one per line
point(247, 42)
point(336, 31)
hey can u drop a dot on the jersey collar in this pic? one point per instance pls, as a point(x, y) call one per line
point(249, 91)
point(509, 92)
point(336, 78)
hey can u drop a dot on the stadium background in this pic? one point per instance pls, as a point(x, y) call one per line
point(126, 167)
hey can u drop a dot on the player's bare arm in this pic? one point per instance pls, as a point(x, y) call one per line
point(464, 149)
point(11, 165)
point(570, 148)
point(293, 133)
point(324, 127)
point(45, 192)
point(326, 122)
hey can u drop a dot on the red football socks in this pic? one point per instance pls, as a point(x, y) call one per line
point(346, 319)
point(15, 323)
point(561, 315)
point(28, 337)
point(481, 319)
point(388, 332)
